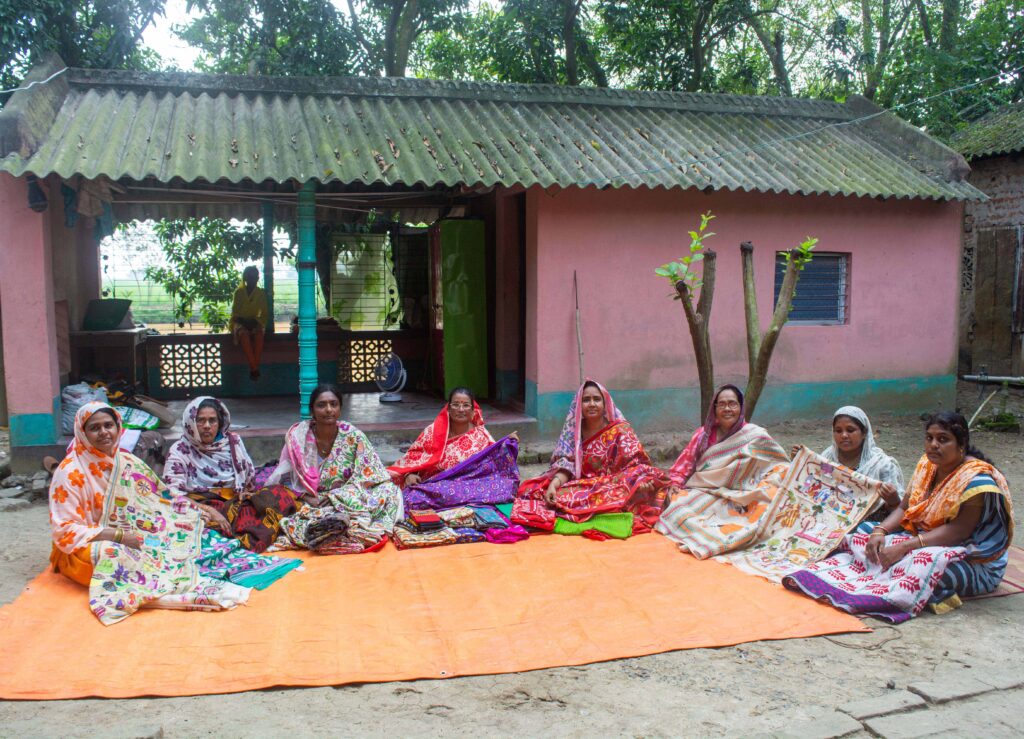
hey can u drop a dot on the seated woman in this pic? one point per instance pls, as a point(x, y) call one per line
point(598, 466)
point(117, 530)
point(455, 460)
point(717, 503)
point(958, 512)
point(853, 446)
point(348, 502)
point(209, 464)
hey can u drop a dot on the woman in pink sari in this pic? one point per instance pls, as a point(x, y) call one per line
point(599, 466)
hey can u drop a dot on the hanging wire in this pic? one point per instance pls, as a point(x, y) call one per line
point(805, 134)
point(30, 85)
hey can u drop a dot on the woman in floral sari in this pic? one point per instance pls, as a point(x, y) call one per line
point(598, 466)
point(348, 502)
point(949, 537)
point(116, 530)
point(717, 501)
point(210, 465)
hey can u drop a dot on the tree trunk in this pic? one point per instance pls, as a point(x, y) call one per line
point(750, 307)
point(775, 49)
point(571, 11)
point(590, 61)
point(406, 36)
point(950, 25)
point(698, 320)
point(759, 374)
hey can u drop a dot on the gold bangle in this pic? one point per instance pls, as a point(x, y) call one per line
point(920, 540)
point(878, 529)
point(118, 536)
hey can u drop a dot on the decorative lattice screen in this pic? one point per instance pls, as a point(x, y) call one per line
point(190, 365)
point(358, 362)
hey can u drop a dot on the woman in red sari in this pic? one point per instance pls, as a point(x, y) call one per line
point(456, 434)
point(599, 466)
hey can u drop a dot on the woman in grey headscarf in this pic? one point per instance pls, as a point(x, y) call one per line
point(853, 446)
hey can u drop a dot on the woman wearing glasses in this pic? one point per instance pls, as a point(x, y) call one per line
point(717, 503)
point(455, 460)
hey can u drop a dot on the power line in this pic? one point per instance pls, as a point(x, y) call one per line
point(773, 142)
point(37, 82)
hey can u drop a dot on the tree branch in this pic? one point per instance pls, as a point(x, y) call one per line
point(759, 375)
point(750, 307)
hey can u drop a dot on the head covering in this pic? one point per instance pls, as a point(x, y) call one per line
point(707, 435)
point(427, 451)
point(80, 483)
point(567, 450)
point(874, 463)
point(193, 466)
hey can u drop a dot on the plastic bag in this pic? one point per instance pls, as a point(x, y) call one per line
point(74, 397)
point(134, 418)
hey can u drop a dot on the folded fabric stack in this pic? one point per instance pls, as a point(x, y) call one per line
point(600, 526)
point(461, 525)
point(329, 535)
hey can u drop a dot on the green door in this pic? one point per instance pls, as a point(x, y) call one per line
point(463, 280)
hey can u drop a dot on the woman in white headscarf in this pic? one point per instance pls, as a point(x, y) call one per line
point(853, 446)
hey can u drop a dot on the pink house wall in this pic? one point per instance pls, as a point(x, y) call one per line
point(29, 337)
point(903, 280)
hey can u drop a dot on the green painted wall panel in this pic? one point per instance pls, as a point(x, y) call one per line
point(464, 295)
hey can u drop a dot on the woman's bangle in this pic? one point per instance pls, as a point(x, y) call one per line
point(118, 536)
point(920, 540)
point(877, 529)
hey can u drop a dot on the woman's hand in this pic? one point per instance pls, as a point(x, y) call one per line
point(874, 546)
point(412, 479)
point(246, 494)
point(514, 435)
point(794, 450)
point(552, 492)
point(889, 494)
point(213, 519)
point(647, 487)
point(890, 555)
point(131, 540)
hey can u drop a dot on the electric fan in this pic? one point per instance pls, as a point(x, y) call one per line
point(389, 374)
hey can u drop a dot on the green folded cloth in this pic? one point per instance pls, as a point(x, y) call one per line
point(505, 508)
point(615, 525)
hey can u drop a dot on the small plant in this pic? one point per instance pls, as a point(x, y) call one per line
point(683, 269)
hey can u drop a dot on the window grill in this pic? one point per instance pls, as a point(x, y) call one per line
point(359, 359)
point(822, 293)
point(191, 365)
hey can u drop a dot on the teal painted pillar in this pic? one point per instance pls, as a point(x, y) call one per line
point(307, 295)
point(268, 261)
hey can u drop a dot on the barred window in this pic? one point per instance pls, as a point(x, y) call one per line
point(822, 293)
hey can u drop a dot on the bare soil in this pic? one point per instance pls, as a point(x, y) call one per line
point(733, 691)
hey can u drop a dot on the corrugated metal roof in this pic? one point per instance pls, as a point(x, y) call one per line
point(225, 128)
point(999, 132)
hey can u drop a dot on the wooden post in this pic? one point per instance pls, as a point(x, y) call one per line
point(308, 375)
point(268, 262)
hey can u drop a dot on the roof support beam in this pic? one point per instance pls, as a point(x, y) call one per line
point(268, 261)
point(308, 376)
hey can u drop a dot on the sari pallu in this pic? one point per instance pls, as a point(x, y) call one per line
point(434, 451)
point(488, 477)
point(351, 480)
point(718, 507)
point(613, 465)
point(214, 474)
point(932, 575)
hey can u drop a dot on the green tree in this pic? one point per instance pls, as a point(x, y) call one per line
point(103, 34)
point(201, 271)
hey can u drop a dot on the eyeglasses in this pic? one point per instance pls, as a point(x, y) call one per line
point(727, 404)
point(460, 406)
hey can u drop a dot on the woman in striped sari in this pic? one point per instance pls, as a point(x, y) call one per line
point(949, 537)
point(717, 501)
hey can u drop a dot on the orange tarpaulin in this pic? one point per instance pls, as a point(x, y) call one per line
point(456, 610)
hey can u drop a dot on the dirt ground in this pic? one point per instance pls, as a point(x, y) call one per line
point(750, 688)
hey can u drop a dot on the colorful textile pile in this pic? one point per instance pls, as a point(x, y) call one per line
point(816, 505)
point(462, 525)
point(489, 476)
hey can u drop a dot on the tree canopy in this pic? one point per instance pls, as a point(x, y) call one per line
point(904, 53)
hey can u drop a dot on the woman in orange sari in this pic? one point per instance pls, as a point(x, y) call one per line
point(598, 466)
